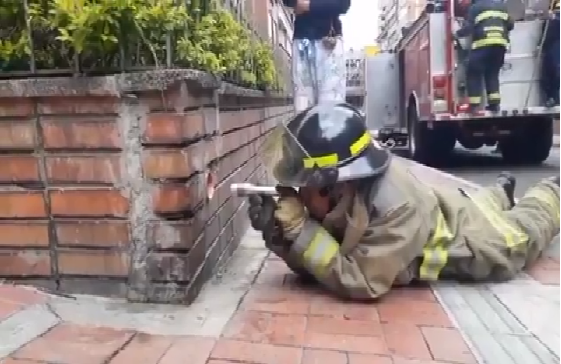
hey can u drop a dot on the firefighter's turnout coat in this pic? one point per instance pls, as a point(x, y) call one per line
point(402, 229)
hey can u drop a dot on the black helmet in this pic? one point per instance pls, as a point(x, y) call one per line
point(323, 145)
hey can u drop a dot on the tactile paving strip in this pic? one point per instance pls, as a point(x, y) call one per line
point(511, 323)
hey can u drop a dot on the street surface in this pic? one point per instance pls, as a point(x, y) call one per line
point(254, 312)
point(483, 166)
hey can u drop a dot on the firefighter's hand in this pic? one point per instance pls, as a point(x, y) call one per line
point(302, 6)
point(261, 212)
point(291, 215)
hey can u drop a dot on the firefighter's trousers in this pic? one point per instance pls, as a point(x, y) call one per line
point(484, 65)
point(550, 61)
point(527, 228)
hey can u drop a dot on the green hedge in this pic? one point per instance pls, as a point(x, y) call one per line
point(112, 35)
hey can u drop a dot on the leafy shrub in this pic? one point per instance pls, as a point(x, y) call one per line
point(111, 35)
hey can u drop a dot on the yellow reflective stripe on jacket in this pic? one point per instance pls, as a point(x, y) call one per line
point(333, 159)
point(513, 236)
point(435, 252)
point(486, 42)
point(494, 96)
point(545, 198)
point(493, 28)
point(484, 15)
point(321, 251)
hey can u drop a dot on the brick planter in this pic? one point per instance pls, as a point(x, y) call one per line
point(103, 180)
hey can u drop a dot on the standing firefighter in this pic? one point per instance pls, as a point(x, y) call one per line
point(488, 24)
point(362, 223)
point(550, 58)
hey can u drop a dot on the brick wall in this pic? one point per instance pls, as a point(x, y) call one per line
point(103, 181)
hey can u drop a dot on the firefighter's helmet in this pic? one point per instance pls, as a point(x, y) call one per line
point(323, 145)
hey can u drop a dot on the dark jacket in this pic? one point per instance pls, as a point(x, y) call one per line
point(322, 19)
point(483, 19)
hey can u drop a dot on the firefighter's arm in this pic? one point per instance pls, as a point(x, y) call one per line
point(467, 28)
point(370, 269)
point(282, 250)
point(329, 7)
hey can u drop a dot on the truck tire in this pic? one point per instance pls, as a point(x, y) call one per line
point(429, 146)
point(532, 145)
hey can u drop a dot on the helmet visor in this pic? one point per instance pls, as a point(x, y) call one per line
point(285, 158)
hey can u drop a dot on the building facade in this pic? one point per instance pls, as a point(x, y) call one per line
point(275, 23)
point(394, 15)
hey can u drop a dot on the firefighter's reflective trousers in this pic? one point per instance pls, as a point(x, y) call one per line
point(484, 65)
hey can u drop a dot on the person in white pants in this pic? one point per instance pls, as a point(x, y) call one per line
point(318, 59)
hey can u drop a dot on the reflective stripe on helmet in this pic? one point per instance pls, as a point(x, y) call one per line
point(333, 159)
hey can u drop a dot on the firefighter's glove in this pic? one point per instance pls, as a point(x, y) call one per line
point(291, 215)
point(261, 213)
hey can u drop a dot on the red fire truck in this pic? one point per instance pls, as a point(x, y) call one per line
point(416, 94)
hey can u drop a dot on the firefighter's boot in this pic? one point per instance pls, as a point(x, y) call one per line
point(494, 108)
point(508, 182)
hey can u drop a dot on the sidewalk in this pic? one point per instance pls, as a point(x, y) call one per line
point(255, 312)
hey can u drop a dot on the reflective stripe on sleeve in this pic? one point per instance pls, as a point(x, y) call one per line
point(435, 252)
point(315, 247)
point(320, 252)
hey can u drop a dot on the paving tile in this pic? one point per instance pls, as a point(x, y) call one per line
point(327, 305)
point(21, 295)
point(400, 360)
point(8, 308)
point(330, 325)
point(369, 359)
point(267, 328)
point(447, 345)
point(241, 351)
point(274, 300)
point(74, 344)
point(24, 326)
point(314, 356)
point(414, 312)
point(197, 347)
point(412, 293)
point(19, 361)
point(406, 340)
point(350, 343)
point(143, 349)
point(273, 273)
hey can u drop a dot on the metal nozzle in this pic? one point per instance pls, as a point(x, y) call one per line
point(246, 189)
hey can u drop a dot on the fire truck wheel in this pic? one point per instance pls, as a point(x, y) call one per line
point(533, 145)
point(429, 146)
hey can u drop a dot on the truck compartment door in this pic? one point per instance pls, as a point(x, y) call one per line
point(382, 91)
point(520, 75)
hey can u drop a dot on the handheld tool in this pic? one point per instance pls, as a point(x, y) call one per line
point(247, 189)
